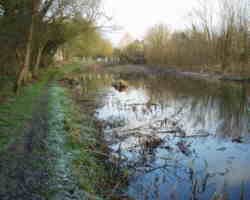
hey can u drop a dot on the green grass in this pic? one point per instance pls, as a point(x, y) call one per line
point(80, 142)
point(17, 109)
point(15, 112)
point(62, 70)
point(72, 131)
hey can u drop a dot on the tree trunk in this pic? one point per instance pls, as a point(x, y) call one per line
point(38, 60)
point(23, 73)
point(25, 67)
point(226, 50)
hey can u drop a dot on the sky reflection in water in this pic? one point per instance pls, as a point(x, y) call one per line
point(214, 163)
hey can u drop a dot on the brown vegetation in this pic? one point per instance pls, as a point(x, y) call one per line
point(214, 41)
point(217, 39)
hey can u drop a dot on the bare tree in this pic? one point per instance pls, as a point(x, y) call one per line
point(156, 41)
point(218, 38)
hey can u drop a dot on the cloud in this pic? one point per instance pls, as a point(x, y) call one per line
point(136, 16)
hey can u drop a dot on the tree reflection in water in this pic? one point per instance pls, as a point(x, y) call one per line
point(176, 136)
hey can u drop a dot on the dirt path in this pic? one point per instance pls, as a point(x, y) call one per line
point(22, 169)
point(28, 170)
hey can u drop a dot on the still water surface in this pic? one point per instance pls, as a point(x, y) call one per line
point(181, 138)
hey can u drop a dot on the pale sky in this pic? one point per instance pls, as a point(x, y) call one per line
point(136, 16)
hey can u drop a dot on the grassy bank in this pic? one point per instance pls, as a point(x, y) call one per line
point(58, 137)
point(74, 138)
point(16, 110)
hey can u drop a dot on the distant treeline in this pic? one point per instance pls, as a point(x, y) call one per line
point(217, 38)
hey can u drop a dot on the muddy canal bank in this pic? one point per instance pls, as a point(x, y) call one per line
point(132, 70)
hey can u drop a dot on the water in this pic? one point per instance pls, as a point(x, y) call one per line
point(180, 138)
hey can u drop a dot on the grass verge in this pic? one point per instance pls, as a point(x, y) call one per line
point(73, 137)
point(16, 110)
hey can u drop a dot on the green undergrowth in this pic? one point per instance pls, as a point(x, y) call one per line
point(6, 87)
point(61, 70)
point(73, 137)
